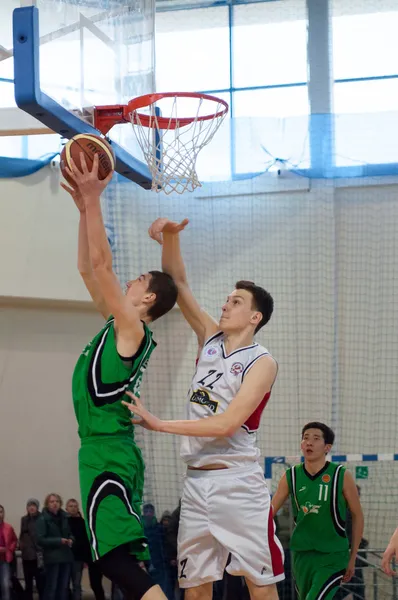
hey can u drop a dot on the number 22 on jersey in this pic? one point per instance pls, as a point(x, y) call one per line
point(210, 379)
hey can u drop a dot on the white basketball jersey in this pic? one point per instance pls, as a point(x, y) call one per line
point(216, 382)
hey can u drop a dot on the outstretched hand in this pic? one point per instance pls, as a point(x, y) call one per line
point(164, 225)
point(87, 182)
point(390, 555)
point(147, 419)
point(76, 195)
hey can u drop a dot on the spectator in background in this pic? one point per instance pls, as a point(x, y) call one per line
point(153, 533)
point(55, 538)
point(170, 559)
point(172, 536)
point(82, 555)
point(81, 547)
point(8, 544)
point(32, 558)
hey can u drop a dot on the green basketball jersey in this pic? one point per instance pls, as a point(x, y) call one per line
point(319, 508)
point(100, 380)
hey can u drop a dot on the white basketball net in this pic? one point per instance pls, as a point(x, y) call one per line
point(171, 153)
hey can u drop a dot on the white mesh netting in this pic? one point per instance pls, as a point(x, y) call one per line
point(171, 144)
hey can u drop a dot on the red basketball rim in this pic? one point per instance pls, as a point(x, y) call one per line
point(170, 122)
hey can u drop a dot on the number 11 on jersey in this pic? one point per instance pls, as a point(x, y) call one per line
point(323, 492)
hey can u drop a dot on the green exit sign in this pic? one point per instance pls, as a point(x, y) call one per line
point(361, 472)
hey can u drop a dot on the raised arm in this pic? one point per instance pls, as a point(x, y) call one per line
point(83, 255)
point(281, 494)
point(166, 232)
point(351, 496)
point(127, 320)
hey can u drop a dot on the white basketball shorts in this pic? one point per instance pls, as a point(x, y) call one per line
point(227, 513)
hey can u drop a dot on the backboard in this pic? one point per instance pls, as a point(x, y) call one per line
point(71, 55)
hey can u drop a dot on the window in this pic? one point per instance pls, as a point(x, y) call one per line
point(270, 123)
point(269, 44)
point(366, 124)
point(266, 43)
point(365, 47)
point(192, 50)
point(274, 102)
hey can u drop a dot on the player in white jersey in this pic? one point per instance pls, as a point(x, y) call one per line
point(226, 509)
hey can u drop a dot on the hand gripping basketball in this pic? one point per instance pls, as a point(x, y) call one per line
point(87, 182)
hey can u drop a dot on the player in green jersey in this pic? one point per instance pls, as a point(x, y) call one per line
point(320, 492)
point(111, 467)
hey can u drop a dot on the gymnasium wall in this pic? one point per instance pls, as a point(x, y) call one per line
point(327, 254)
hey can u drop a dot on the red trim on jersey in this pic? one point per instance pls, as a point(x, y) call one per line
point(253, 422)
point(275, 551)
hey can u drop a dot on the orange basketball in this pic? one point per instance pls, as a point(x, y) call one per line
point(89, 145)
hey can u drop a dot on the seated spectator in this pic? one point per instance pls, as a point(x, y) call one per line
point(55, 538)
point(32, 558)
point(8, 544)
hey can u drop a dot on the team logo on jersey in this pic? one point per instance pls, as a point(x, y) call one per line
point(212, 352)
point(202, 397)
point(325, 478)
point(308, 508)
point(87, 349)
point(236, 368)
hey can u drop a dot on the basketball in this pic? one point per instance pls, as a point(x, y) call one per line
point(89, 145)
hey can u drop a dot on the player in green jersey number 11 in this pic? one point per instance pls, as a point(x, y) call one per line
point(320, 492)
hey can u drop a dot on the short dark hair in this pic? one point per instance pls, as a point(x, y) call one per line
point(328, 434)
point(166, 292)
point(262, 300)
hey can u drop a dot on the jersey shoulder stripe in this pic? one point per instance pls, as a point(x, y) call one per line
point(291, 475)
point(251, 363)
point(337, 490)
point(108, 393)
point(214, 337)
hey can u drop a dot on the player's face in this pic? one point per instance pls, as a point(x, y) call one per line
point(313, 445)
point(238, 313)
point(1, 514)
point(137, 288)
